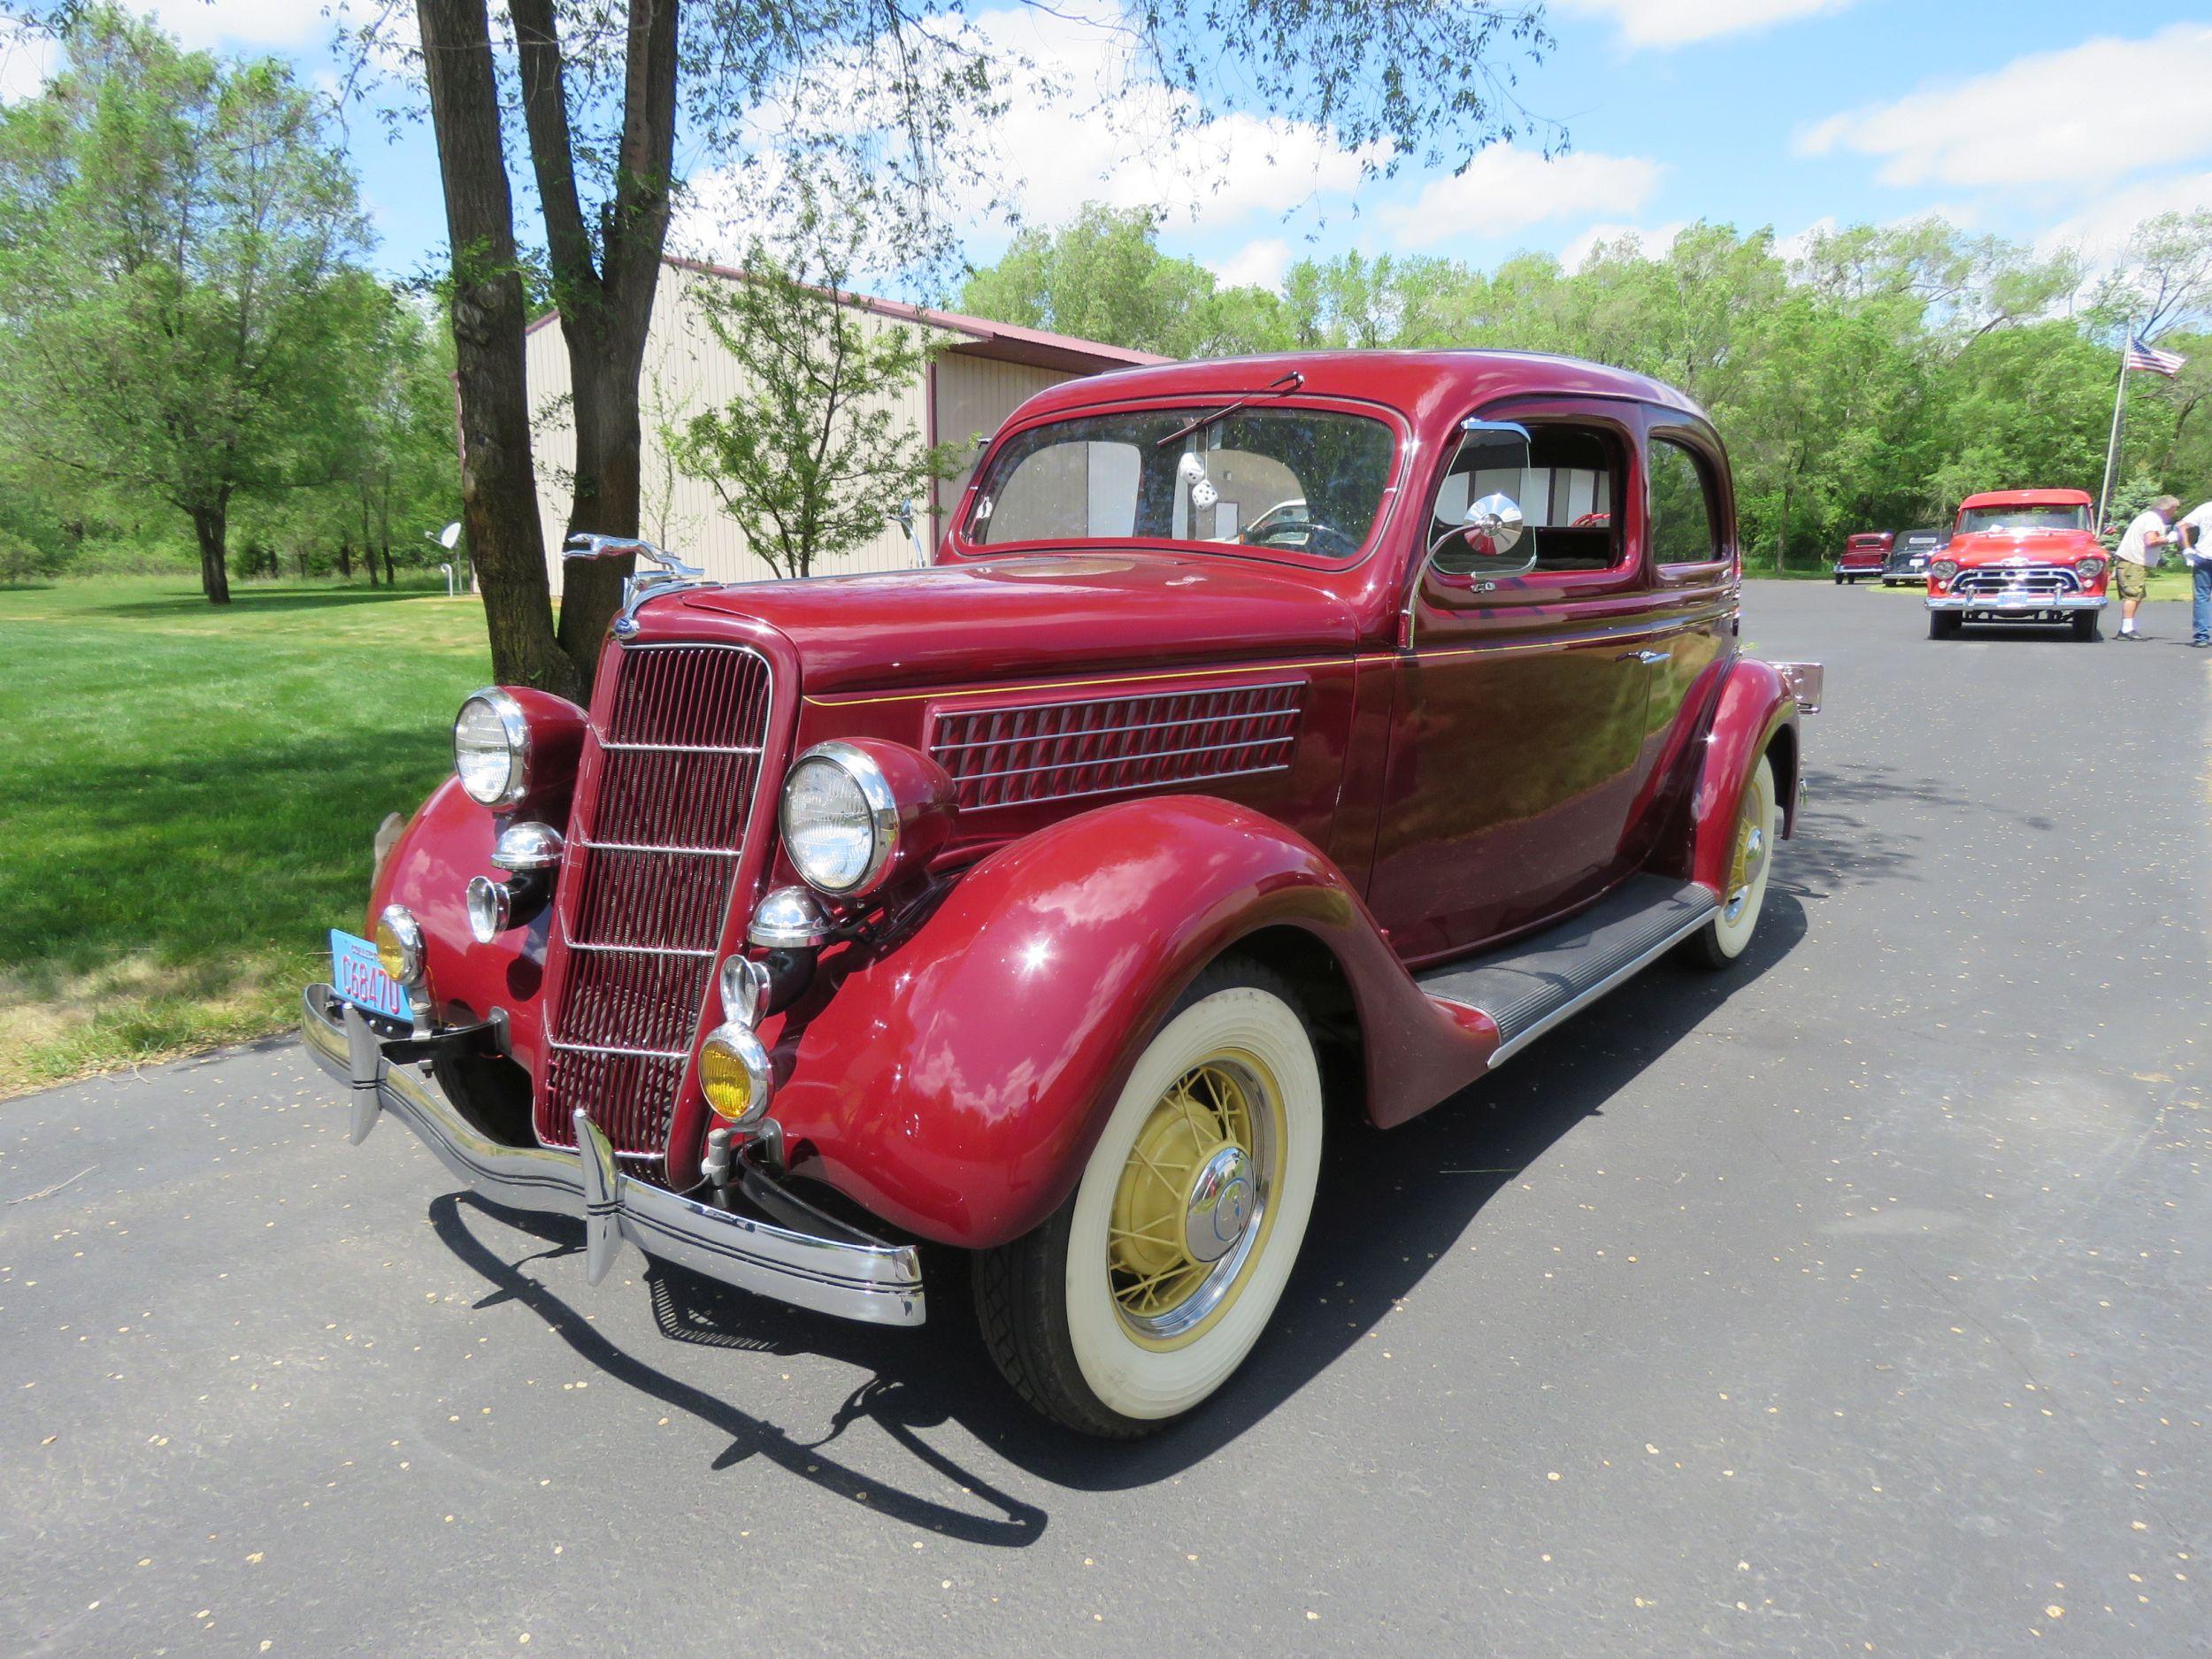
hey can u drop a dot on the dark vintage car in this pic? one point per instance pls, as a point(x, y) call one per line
point(1906, 565)
point(1058, 904)
point(1863, 555)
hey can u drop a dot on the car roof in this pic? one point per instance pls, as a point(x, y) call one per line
point(1408, 381)
point(2027, 498)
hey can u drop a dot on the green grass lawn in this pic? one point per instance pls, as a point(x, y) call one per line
point(187, 795)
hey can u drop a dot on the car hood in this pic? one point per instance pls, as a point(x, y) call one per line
point(2040, 546)
point(1024, 616)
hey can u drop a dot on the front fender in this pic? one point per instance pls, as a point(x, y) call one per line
point(954, 1084)
point(1756, 712)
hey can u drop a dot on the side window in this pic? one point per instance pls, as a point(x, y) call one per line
point(1682, 529)
point(1565, 480)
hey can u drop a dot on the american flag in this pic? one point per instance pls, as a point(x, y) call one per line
point(2142, 356)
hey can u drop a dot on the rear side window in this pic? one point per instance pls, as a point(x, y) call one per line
point(1682, 527)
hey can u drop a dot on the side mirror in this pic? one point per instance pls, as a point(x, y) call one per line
point(1492, 525)
point(1481, 544)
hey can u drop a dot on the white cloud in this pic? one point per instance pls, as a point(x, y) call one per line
point(2094, 112)
point(1258, 264)
point(2099, 232)
point(27, 58)
point(1505, 191)
point(1663, 23)
point(1651, 243)
point(262, 25)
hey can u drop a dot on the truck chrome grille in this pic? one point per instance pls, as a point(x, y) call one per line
point(669, 770)
point(2045, 580)
point(1057, 751)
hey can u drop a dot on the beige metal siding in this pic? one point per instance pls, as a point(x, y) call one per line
point(686, 369)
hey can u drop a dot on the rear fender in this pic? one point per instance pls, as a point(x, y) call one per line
point(1755, 715)
point(954, 1082)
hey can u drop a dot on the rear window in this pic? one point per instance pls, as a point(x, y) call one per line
point(1303, 480)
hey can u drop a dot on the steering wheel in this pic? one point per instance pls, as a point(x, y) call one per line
point(1306, 535)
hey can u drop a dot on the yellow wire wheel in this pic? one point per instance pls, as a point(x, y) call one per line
point(1143, 1294)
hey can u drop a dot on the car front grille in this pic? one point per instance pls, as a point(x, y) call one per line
point(2041, 580)
point(671, 764)
point(1059, 751)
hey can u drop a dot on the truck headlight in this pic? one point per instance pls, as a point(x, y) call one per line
point(2089, 569)
point(491, 748)
point(856, 814)
point(1943, 570)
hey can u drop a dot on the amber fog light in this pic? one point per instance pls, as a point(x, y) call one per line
point(733, 1073)
point(399, 944)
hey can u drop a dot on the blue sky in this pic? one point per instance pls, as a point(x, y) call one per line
point(2049, 123)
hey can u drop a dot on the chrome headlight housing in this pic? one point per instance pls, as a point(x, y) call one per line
point(841, 820)
point(491, 748)
point(1944, 570)
point(2091, 567)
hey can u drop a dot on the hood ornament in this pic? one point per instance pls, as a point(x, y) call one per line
point(636, 589)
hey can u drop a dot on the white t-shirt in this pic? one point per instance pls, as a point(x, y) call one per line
point(2135, 546)
point(2199, 515)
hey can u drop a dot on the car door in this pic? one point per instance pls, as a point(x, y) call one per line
point(1522, 682)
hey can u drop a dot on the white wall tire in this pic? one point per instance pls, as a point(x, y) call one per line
point(1096, 1339)
point(1750, 863)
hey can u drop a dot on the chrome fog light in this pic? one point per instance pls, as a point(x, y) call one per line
point(733, 1073)
point(490, 908)
point(528, 847)
point(399, 945)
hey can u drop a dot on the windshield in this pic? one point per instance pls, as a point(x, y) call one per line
point(1976, 520)
point(1302, 481)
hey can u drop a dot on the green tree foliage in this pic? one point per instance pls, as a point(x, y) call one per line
point(815, 455)
point(1868, 380)
point(176, 285)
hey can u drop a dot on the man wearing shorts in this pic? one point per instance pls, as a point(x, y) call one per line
point(2133, 559)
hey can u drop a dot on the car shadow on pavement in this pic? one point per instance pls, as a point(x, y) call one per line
point(1391, 1205)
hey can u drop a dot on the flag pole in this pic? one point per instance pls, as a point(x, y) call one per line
point(2112, 445)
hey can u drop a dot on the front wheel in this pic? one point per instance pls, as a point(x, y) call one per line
point(2087, 625)
point(1944, 625)
point(1838, 579)
point(1142, 1293)
point(1744, 891)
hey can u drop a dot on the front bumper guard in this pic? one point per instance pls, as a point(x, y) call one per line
point(836, 1270)
point(2017, 604)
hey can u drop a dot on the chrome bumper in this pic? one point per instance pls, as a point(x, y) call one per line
point(851, 1277)
point(2017, 604)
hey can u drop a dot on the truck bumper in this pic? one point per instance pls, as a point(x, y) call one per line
point(830, 1268)
point(2019, 604)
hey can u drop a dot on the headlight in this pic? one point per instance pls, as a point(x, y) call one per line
point(1943, 570)
point(733, 1073)
point(2089, 569)
point(857, 814)
point(491, 749)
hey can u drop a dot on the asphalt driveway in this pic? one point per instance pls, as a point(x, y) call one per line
point(1853, 1302)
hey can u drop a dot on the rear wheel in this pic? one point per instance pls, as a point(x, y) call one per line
point(1943, 625)
point(1143, 1294)
point(1838, 579)
point(1744, 890)
point(2087, 625)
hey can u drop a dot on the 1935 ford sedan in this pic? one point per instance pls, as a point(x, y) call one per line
point(1273, 742)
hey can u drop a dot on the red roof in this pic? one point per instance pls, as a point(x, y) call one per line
point(1410, 380)
point(2027, 498)
point(1008, 343)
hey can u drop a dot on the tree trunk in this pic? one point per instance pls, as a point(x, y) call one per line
point(209, 526)
point(499, 501)
point(605, 307)
point(345, 558)
point(390, 580)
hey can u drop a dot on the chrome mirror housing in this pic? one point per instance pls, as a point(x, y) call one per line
point(1494, 524)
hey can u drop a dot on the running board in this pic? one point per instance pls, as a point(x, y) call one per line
point(1532, 985)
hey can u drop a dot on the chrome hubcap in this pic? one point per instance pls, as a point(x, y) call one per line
point(1220, 1205)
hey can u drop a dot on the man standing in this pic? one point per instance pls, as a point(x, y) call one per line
point(2138, 550)
point(2196, 551)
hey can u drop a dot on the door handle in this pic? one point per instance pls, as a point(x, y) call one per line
point(1644, 657)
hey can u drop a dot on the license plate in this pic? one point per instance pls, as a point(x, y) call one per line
point(359, 977)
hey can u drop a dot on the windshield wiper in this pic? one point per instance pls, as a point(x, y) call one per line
point(1280, 387)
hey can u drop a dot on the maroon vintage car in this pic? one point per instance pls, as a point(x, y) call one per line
point(1274, 743)
point(1863, 555)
